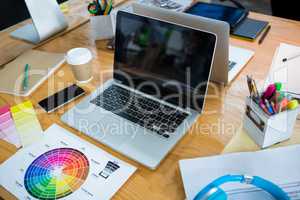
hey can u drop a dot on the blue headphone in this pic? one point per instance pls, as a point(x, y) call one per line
point(213, 192)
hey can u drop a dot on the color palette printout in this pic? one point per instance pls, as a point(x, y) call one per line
point(8, 131)
point(46, 173)
point(27, 124)
point(63, 166)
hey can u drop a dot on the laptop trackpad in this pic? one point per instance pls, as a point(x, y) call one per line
point(112, 130)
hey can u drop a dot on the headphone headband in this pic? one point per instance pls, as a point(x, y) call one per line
point(257, 181)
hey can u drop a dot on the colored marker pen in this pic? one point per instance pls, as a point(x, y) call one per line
point(269, 107)
point(274, 107)
point(263, 107)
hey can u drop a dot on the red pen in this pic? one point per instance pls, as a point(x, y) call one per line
point(264, 108)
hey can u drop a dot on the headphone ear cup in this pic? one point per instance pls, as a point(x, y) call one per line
point(218, 195)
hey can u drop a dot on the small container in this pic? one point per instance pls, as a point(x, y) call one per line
point(102, 27)
point(79, 59)
point(268, 130)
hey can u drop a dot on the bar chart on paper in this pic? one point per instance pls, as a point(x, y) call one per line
point(62, 166)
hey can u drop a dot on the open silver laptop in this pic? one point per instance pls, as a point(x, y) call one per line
point(160, 76)
point(229, 60)
point(47, 20)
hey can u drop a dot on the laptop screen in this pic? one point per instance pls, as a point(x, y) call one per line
point(168, 61)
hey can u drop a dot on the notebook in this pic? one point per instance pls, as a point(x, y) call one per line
point(250, 29)
point(42, 65)
point(286, 72)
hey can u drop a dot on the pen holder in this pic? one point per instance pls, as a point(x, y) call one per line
point(267, 130)
point(102, 27)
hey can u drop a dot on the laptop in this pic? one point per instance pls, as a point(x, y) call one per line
point(229, 60)
point(47, 20)
point(161, 72)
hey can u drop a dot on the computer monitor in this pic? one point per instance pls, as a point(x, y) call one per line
point(14, 11)
point(47, 20)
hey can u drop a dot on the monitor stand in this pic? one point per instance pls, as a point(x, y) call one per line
point(45, 24)
point(27, 33)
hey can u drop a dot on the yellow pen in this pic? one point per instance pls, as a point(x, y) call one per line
point(108, 8)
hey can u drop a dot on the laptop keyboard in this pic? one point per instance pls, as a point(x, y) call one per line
point(231, 65)
point(141, 110)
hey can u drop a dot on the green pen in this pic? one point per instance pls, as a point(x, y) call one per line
point(26, 77)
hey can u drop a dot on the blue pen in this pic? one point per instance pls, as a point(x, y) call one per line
point(102, 4)
point(269, 107)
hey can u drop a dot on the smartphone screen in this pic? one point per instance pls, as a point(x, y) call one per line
point(228, 14)
point(61, 98)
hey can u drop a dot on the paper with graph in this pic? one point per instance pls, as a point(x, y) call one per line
point(62, 166)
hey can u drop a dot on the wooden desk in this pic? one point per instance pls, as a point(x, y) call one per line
point(213, 130)
point(76, 16)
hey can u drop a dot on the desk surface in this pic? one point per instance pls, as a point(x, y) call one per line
point(213, 130)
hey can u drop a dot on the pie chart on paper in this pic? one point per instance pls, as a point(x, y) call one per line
point(56, 173)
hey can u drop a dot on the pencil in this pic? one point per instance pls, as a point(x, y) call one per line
point(290, 58)
point(26, 77)
point(108, 8)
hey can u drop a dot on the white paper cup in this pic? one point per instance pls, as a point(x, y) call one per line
point(79, 59)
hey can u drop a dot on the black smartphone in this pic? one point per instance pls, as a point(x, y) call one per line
point(61, 98)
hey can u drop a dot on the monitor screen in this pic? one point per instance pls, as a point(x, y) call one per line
point(168, 61)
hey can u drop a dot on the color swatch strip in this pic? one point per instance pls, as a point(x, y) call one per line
point(8, 131)
point(56, 173)
point(26, 123)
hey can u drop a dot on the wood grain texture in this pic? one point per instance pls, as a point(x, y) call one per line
point(214, 128)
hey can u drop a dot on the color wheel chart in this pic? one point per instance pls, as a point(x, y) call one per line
point(56, 173)
point(65, 167)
